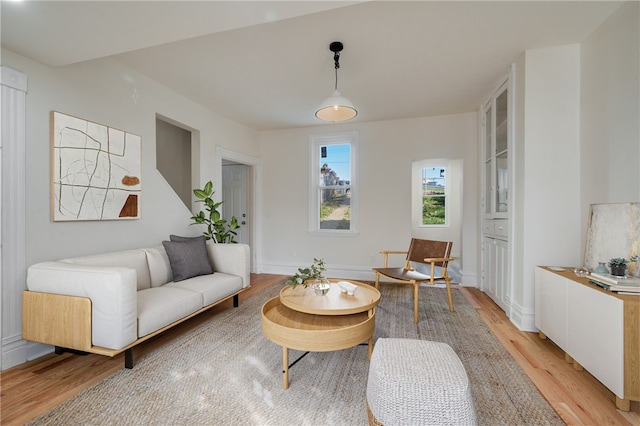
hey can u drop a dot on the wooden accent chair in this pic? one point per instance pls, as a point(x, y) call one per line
point(429, 252)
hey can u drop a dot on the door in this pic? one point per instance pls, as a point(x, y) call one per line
point(234, 195)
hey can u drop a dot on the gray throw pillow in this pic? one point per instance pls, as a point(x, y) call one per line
point(188, 257)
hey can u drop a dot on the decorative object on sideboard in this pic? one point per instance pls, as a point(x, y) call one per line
point(618, 266)
point(634, 268)
point(601, 268)
point(217, 228)
point(581, 271)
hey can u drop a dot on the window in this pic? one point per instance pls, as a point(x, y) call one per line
point(431, 185)
point(434, 195)
point(333, 184)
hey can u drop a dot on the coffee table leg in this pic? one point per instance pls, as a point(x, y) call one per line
point(285, 368)
point(371, 313)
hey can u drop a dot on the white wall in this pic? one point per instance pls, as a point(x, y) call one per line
point(386, 150)
point(577, 143)
point(106, 92)
point(103, 91)
point(610, 111)
point(547, 149)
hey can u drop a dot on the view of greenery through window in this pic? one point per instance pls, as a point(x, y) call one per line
point(335, 186)
point(434, 197)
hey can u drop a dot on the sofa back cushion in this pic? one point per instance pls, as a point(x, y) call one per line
point(134, 259)
point(159, 266)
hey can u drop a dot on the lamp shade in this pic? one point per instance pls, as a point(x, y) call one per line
point(336, 108)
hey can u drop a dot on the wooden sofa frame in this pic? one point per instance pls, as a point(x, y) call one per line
point(65, 323)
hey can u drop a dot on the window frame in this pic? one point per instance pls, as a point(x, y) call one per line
point(416, 182)
point(315, 142)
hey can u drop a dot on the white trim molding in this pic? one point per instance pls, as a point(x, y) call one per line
point(12, 215)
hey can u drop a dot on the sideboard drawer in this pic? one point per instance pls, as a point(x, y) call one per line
point(487, 227)
point(501, 227)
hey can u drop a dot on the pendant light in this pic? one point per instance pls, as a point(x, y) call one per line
point(336, 107)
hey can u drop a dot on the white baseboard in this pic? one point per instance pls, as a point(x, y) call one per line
point(469, 279)
point(523, 318)
point(18, 351)
point(14, 352)
point(357, 273)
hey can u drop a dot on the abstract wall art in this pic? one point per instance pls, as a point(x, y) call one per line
point(614, 231)
point(95, 171)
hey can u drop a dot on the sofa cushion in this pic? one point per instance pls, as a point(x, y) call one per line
point(159, 266)
point(134, 259)
point(188, 258)
point(160, 306)
point(212, 287)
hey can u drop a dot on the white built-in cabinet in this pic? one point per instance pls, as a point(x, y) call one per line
point(597, 329)
point(496, 177)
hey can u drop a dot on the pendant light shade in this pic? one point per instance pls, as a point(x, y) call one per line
point(336, 108)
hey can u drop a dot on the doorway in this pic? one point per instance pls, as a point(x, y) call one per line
point(235, 192)
point(240, 177)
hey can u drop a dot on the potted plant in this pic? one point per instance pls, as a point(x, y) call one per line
point(313, 275)
point(217, 228)
point(618, 266)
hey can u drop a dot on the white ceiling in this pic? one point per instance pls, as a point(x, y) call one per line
point(268, 65)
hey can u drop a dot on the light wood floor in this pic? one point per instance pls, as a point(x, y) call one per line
point(33, 388)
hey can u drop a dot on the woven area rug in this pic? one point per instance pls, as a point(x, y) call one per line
point(225, 372)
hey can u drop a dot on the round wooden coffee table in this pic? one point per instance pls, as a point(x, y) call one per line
point(300, 320)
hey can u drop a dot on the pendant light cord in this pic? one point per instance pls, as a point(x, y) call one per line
point(336, 60)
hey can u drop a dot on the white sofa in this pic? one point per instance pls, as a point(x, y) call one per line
point(108, 303)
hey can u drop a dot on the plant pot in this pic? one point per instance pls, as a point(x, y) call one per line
point(618, 270)
point(321, 286)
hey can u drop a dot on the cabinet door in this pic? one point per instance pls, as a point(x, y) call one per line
point(496, 271)
point(551, 306)
point(502, 273)
point(488, 267)
point(501, 153)
point(596, 334)
point(487, 174)
point(495, 153)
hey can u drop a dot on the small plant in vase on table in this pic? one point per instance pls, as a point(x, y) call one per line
point(313, 275)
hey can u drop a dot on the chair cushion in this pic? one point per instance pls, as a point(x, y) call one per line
point(188, 258)
point(425, 269)
point(403, 274)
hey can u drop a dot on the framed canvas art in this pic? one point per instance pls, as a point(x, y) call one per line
point(614, 231)
point(95, 171)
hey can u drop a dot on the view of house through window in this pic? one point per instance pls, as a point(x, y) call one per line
point(335, 186)
point(434, 195)
point(333, 201)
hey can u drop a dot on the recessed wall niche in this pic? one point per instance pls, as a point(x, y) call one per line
point(173, 158)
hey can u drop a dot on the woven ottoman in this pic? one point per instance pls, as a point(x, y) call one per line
point(417, 382)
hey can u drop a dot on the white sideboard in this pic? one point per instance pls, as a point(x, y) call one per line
point(598, 330)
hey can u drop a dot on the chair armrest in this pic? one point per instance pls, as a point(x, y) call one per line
point(231, 259)
point(386, 254)
point(393, 251)
point(439, 259)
